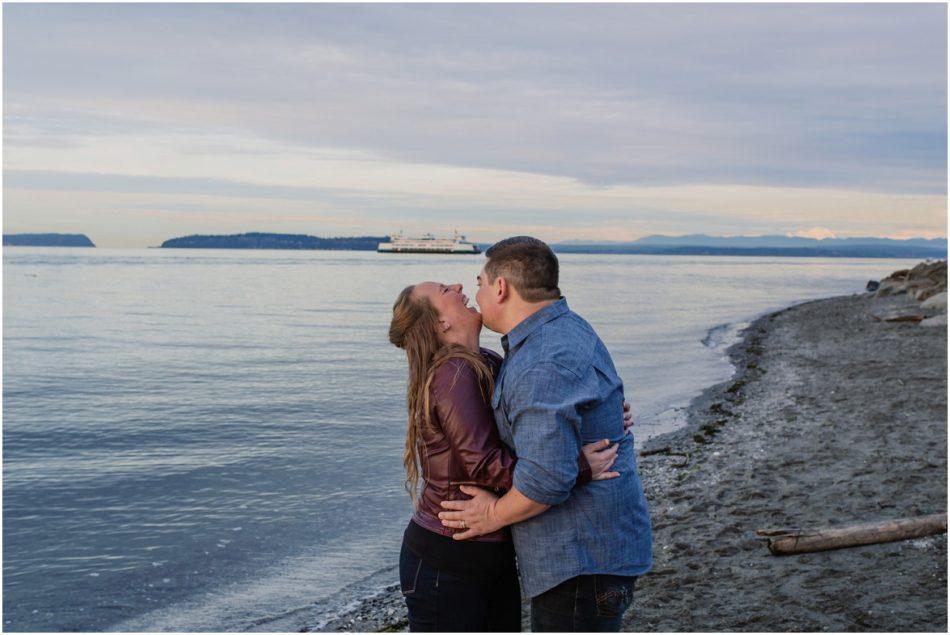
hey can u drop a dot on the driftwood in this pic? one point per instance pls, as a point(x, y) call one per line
point(899, 315)
point(668, 451)
point(788, 541)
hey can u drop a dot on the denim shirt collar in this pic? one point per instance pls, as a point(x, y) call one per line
point(532, 323)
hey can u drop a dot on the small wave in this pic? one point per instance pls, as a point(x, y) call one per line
point(724, 335)
point(715, 335)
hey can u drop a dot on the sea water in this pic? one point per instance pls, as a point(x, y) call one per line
point(211, 439)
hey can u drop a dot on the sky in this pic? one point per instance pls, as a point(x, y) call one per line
point(137, 123)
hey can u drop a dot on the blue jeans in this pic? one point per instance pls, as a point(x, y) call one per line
point(586, 603)
point(442, 601)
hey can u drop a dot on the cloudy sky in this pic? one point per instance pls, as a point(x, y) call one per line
point(136, 123)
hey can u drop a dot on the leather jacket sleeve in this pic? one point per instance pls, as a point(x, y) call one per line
point(469, 425)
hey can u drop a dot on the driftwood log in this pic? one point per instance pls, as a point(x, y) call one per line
point(663, 450)
point(668, 451)
point(788, 541)
point(899, 315)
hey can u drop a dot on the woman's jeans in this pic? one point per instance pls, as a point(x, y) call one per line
point(586, 603)
point(442, 601)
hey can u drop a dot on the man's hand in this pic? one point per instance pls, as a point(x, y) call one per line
point(627, 418)
point(476, 515)
point(601, 456)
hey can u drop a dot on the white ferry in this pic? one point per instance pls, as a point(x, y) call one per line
point(428, 244)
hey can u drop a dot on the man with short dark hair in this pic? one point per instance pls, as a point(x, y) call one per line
point(579, 550)
point(528, 264)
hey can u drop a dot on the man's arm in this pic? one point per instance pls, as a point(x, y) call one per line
point(545, 430)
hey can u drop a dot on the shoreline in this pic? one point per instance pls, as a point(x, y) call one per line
point(725, 476)
point(385, 610)
point(814, 429)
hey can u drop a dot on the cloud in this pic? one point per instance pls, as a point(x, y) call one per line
point(614, 113)
point(834, 95)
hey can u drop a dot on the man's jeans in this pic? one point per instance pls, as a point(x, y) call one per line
point(586, 603)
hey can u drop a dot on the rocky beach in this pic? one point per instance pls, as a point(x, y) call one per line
point(836, 415)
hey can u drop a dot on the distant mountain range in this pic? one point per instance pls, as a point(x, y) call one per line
point(782, 241)
point(701, 244)
point(47, 240)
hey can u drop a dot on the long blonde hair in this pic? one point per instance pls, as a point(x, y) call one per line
point(414, 328)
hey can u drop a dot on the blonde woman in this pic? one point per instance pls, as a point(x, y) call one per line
point(451, 440)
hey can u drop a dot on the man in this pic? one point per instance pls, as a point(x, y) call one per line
point(579, 550)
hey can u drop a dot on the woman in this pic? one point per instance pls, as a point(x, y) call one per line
point(451, 440)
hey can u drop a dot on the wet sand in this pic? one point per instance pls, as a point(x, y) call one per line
point(832, 418)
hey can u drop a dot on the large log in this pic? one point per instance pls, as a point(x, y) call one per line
point(663, 450)
point(788, 541)
point(899, 315)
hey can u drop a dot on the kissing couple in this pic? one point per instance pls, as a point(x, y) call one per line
point(514, 457)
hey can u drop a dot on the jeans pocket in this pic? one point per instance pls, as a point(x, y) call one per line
point(613, 594)
point(409, 567)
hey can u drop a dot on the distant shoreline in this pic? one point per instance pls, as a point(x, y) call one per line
point(912, 254)
point(658, 245)
point(692, 245)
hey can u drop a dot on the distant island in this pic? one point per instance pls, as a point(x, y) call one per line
point(658, 245)
point(259, 240)
point(47, 240)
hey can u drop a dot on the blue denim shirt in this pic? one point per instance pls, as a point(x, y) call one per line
point(557, 390)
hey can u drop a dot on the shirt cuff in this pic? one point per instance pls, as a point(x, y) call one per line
point(532, 487)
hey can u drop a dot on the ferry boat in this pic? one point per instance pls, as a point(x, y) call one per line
point(428, 244)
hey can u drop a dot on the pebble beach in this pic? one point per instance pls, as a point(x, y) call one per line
point(834, 417)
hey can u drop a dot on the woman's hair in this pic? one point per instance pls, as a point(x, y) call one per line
point(414, 328)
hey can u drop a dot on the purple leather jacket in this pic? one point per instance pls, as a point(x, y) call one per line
point(462, 446)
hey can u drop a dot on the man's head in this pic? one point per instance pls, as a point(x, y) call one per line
point(519, 272)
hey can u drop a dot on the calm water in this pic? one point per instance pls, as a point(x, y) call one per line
point(206, 440)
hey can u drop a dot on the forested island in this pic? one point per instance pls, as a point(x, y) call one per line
point(47, 240)
point(260, 240)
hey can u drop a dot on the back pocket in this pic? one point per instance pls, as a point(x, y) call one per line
point(409, 567)
point(614, 594)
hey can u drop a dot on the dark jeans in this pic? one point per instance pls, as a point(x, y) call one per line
point(586, 603)
point(441, 601)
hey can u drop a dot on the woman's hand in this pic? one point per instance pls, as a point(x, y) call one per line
point(601, 456)
point(627, 418)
